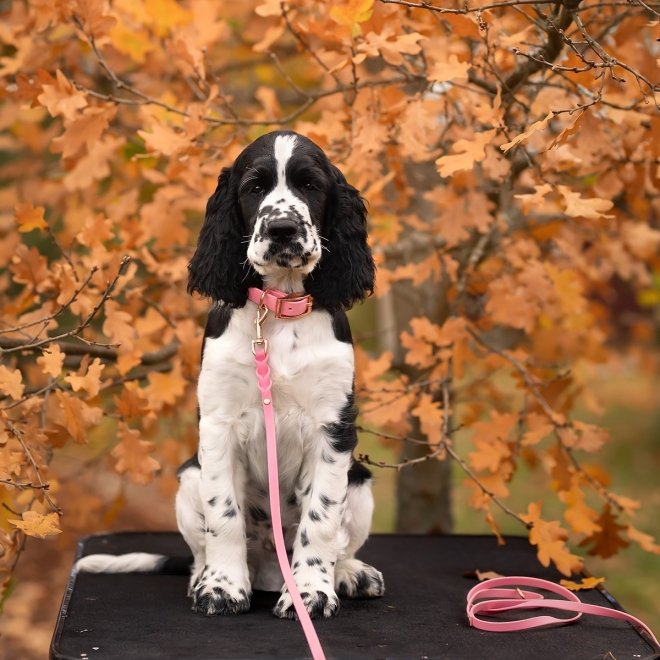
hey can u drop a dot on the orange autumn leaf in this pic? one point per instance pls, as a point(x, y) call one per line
point(468, 152)
point(38, 525)
point(165, 388)
point(85, 130)
point(29, 217)
point(11, 382)
point(76, 416)
point(52, 360)
point(549, 537)
point(165, 140)
point(118, 325)
point(607, 541)
point(62, 98)
point(583, 584)
point(133, 456)
point(578, 515)
point(450, 70)
point(578, 207)
point(350, 13)
point(646, 541)
point(431, 417)
point(89, 381)
point(534, 128)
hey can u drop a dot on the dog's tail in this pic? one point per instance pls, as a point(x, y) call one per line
point(134, 562)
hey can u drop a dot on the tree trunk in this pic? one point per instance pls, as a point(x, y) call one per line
point(423, 490)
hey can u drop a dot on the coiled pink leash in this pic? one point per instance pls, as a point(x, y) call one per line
point(503, 594)
point(265, 384)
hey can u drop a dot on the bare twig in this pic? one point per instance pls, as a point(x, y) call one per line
point(82, 325)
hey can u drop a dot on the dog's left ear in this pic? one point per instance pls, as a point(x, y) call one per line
point(345, 274)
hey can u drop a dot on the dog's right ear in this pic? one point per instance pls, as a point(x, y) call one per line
point(219, 267)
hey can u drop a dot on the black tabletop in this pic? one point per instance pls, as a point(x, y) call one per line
point(422, 614)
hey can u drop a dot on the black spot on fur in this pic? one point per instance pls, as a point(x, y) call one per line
point(228, 501)
point(212, 501)
point(229, 513)
point(192, 462)
point(343, 436)
point(358, 474)
point(257, 513)
point(314, 561)
point(314, 515)
point(326, 501)
point(304, 539)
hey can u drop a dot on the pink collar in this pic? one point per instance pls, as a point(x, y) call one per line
point(283, 305)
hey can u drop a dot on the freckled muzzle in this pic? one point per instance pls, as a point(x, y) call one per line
point(283, 238)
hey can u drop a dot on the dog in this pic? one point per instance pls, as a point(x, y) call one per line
point(281, 218)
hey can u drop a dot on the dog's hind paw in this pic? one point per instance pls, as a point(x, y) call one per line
point(319, 604)
point(355, 579)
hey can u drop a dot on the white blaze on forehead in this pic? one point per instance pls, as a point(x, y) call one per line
point(284, 145)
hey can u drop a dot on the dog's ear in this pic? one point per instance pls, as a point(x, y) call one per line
point(219, 267)
point(345, 274)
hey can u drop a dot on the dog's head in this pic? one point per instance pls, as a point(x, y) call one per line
point(283, 214)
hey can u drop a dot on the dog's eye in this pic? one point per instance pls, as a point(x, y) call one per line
point(257, 190)
point(309, 186)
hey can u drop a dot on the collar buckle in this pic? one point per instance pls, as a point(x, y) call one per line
point(293, 298)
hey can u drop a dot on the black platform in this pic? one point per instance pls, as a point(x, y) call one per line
point(422, 614)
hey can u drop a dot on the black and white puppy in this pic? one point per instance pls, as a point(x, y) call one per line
point(282, 217)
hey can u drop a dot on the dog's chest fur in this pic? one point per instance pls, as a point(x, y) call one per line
point(312, 373)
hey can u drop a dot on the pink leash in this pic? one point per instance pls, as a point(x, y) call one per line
point(265, 384)
point(489, 597)
point(504, 594)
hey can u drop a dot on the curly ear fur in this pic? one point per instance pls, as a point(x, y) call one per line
point(219, 267)
point(345, 274)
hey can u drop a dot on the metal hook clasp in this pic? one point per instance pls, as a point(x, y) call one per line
point(262, 313)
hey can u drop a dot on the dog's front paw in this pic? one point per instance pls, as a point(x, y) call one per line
point(216, 593)
point(355, 579)
point(319, 604)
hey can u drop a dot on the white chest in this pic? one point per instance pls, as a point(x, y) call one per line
point(312, 374)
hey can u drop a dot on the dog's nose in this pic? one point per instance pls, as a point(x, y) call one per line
point(281, 229)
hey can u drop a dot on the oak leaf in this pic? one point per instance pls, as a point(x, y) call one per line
point(89, 381)
point(85, 130)
point(164, 139)
point(578, 207)
point(96, 21)
point(431, 417)
point(29, 217)
point(450, 70)
point(166, 388)
point(607, 541)
point(350, 13)
point(76, 416)
point(51, 360)
point(11, 382)
point(584, 583)
point(468, 152)
point(62, 98)
point(133, 455)
point(645, 541)
point(549, 537)
point(578, 515)
point(38, 525)
point(534, 128)
point(118, 324)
